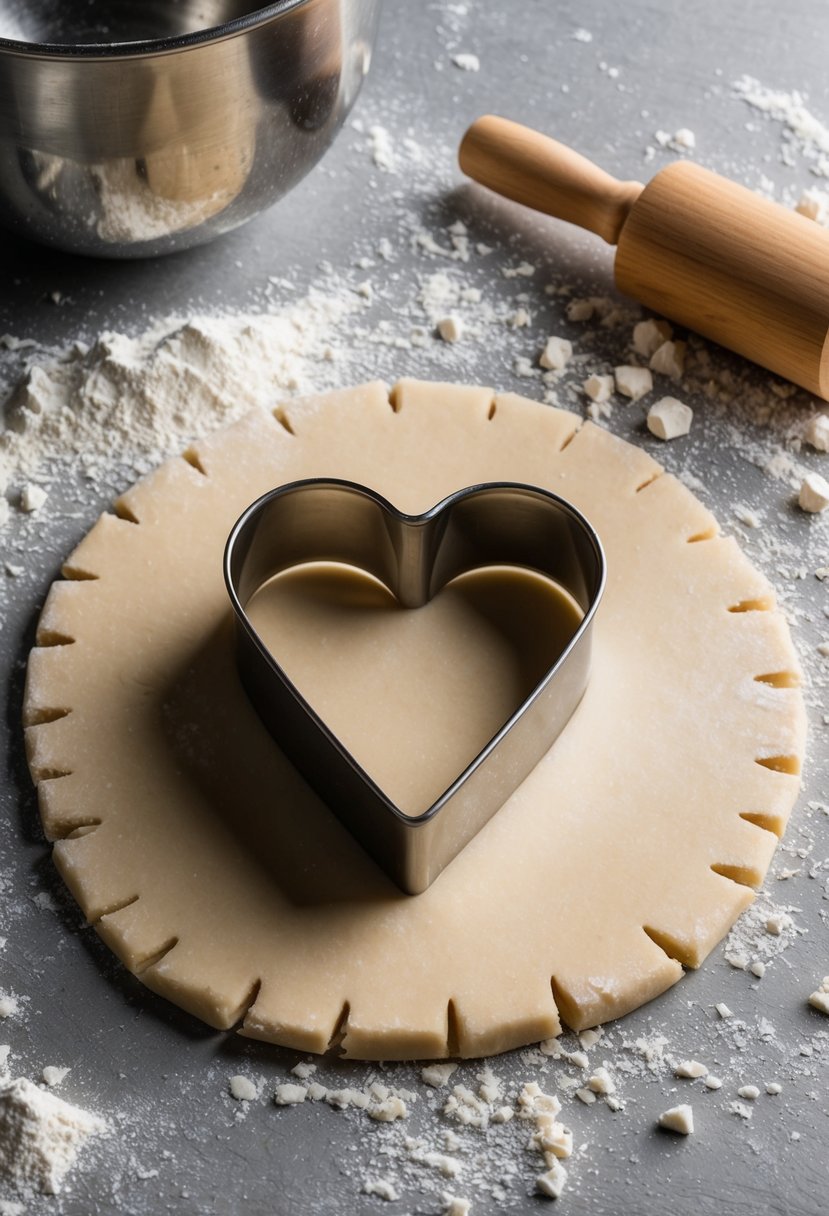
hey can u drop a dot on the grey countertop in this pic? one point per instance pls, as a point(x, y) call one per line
point(179, 1144)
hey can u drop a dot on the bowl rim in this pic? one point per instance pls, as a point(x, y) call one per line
point(151, 46)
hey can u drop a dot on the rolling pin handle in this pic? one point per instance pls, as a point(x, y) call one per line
point(530, 168)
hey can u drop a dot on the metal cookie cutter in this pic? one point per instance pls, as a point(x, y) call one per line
point(494, 524)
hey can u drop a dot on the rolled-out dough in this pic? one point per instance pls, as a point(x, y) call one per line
point(213, 872)
point(414, 696)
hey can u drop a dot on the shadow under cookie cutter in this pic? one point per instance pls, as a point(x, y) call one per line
point(414, 556)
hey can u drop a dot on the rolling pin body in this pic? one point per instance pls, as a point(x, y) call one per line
point(700, 249)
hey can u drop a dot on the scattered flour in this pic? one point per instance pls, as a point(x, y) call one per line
point(683, 140)
point(804, 131)
point(149, 395)
point(40, 1137)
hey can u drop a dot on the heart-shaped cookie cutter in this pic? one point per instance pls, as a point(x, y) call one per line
point(414, 556)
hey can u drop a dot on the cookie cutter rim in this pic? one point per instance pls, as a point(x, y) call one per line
point(414, 556)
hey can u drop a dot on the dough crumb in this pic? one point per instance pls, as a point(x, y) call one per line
point(670, 418)
point(669, 360)
point(304, 1070)
point(819, 999)
point(40, 1136)
point(633, 382)
point(466, 1107)
point(552, 1137)
point(598, 388)
point(814, 204)
point(503, 1114)
point(388, 1110)
point(382, 150)
point(581, 35)
point(556, 354)
point(649, 335)
point(467, 62)
point(242, 1088)
point(579, 310)
point(289, 1094)
point(9, 1005)
point(450, 329)
point(437, 1074)
point(758, 968)
point(814, 494)
point(342, 1099)
point(777, 923)
point(586, 1095)
point(692, 1069)
point(749, 1092)
point(450, 1167)
point(550, 1047)
point(712, 1082)
point(723, 1010)
point(749, 518)
point(678, 1119)
point(774, 1088)
point(53, 1076)
point(455, 1206)
point(490, 1088)
point(738, 961)
point(532, 1101)
point(32, 498)
point(524, 368)
point(601, 1082)
point(589, 1038)
point(524, 270)
point(552, 1183)
point(577, 1058)
point(817, 432)
point(382, 1188)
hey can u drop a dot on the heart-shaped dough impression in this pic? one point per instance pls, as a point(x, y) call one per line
point(415, 556)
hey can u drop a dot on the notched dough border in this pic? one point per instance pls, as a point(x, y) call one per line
point(625, 856)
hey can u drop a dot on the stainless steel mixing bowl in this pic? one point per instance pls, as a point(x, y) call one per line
point(135, 127)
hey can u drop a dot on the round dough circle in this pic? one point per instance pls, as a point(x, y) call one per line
point(209, 868)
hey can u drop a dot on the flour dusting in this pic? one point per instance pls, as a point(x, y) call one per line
point(441, 296)
point(40, 1137)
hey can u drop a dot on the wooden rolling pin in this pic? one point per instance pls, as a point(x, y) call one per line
point(691, 245)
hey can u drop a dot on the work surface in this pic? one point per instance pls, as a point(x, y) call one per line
point(375, 220)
